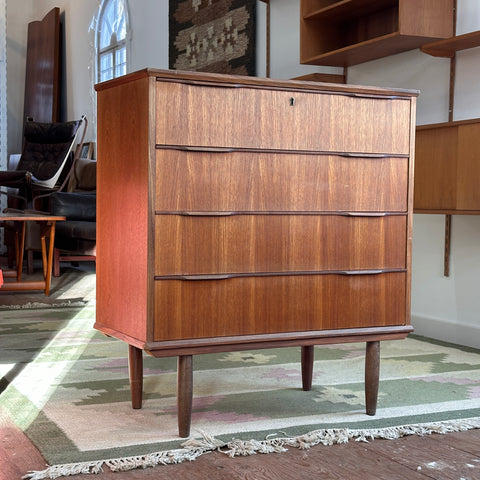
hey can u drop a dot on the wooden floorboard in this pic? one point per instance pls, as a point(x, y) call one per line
point(443, 457)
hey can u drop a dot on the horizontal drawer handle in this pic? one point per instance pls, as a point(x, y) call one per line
point(377, 97)
point(329, 153)
point(198, 83)
point(228, 276)
point(364, 214)
point(364, 155)
point(362, 272)
point(199, 148)
point(287, 87)
point(206, 213)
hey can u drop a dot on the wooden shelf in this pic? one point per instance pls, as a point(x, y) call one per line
point(366, 51)
point(348, 8)
point(349, 32)
point(447, 171)
point(448, 47)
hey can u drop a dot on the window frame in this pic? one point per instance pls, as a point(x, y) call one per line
point(115, 45)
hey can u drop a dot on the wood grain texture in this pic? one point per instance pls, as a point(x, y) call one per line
point(277, 243)
point(256, 181)
point(43, 69)
point(204, 115)
point(293, 197)
point(447, 171)
point(123, 141)
point(243, 306)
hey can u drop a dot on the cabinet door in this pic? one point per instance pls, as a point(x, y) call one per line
point(239, 116)
point(260, 305)
point(273, 182)
point(277, 243)
point(468, 170)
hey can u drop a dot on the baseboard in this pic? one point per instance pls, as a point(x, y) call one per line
point(446, 330)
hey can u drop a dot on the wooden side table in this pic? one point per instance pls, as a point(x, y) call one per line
point(47, 231)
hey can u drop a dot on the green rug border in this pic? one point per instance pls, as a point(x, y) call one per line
point(370, 423)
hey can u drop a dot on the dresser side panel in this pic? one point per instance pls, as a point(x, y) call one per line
point(123, 134)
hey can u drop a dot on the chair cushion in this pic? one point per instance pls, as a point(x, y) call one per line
point(76, 229)
point(74, 206)
point(46, 145)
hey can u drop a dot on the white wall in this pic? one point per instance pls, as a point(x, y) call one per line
point(445, 308)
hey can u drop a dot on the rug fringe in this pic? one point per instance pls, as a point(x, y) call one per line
point(40, 305)
point(195, 447)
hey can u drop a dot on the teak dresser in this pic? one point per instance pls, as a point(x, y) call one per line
point(241, 213)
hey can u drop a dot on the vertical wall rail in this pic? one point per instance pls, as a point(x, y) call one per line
point(451, 103)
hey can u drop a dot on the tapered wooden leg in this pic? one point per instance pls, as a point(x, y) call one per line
point(307, 367)
point(135, 366)
point(184, 394)
point(372, 372)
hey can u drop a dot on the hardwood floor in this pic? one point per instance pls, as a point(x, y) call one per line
point(455, 456)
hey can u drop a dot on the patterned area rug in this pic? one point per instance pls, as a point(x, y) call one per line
point(216, 36)
point(66, 386)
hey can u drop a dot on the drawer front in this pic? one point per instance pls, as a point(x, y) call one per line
point(277, 243)
point(247, 181)
point(255, 305)
point(277, 119)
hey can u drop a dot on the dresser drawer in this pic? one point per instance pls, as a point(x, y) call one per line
point(241, 116)
point(248, 181)
point(277, 243)
point(254, 305)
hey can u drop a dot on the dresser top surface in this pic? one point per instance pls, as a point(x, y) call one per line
point(254, 82)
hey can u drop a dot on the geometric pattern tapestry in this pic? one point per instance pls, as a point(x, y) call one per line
point(216, 36)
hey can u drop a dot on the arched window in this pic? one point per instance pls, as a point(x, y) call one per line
point(112, 34)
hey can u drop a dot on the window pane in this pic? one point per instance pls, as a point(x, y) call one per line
point(106, 67)
point(113, 20)
point(121, 62)
point(111, 37)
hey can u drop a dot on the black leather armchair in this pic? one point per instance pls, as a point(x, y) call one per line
point(75, 238)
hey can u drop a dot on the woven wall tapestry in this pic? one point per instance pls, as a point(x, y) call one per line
point(216, 36)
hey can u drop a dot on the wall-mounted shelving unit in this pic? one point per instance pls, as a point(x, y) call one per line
point(348, 32)
point(447, 155)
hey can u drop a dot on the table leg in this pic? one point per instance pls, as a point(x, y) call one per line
point(184, 394)
point(20, 247)
point(135, 367)
point(307, 367)
point(51, 241)
point(372, 373)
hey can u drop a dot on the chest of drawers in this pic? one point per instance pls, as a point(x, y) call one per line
point(239, 213)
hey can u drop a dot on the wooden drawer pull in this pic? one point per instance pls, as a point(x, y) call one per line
point(208, 214)
point(364, 155)
point(199, 148)
point(362, 272)
point(228, 276)
point(363, 214)
point(201, 213)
